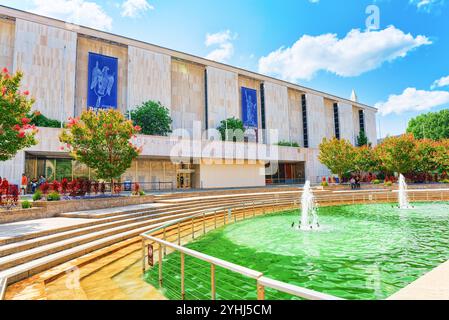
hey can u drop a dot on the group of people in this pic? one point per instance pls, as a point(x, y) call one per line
point(34, 183)
point(24, 184)
point(355, 183)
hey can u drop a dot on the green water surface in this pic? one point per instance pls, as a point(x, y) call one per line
point(361, 252)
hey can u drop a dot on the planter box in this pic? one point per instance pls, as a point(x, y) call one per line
point(53, 208)
point(22, 215)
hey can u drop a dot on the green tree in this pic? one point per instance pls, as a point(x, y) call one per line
point(442, 156)
point(397, 154)
point(432, 125)
point(16, 132)
point(425, 153)
point(102, 141)
point(365, 159)
point(39, 120)
point(362, 139)
point(153, 118)
point(229, 127)
point(338, 156)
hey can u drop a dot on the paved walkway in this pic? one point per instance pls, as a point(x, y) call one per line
point(22, 228)
point(98, 213)
point(432, 286)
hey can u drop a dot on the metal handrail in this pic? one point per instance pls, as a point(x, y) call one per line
point(262, 281)
point(3, 283)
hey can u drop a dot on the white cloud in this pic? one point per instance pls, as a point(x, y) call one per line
point(443, 82)
point(427, 5)
point(225, 48)
point(413, 100)
point(358, 52)
point(80, 12)
point(133, 8)
point(314, 1)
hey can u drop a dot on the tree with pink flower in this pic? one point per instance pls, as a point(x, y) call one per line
point(16, 132)
point(103, 141)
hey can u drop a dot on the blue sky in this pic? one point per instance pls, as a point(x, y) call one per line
point(399, 65)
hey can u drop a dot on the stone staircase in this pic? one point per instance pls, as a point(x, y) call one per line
point(26, 255)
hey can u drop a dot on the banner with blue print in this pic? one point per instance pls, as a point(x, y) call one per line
point(102, 82)
point(249, 107)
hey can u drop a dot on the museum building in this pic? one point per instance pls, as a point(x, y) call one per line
point(69, 68)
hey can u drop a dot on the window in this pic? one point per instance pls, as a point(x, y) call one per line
point(336, 121)
point(287, 173)
point(362, 121)
point(262, 105)
point(206, 103)
point(304, 121)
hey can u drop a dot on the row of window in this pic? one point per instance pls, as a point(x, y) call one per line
point(304, 114)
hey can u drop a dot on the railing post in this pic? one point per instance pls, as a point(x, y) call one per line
point(215, 219)
point(204, 223)
point(224, 217)
point(160, 265)
point(212, 282)
point(165, 239)
point(193, 228)
point(254, 210)
point(179, 233)
point(143, 256)
point(260, 291)
point(183, 289)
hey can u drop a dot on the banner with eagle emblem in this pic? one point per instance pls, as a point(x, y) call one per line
point(102, 82)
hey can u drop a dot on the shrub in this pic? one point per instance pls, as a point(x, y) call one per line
point(288, 144)
point(136, 190)
point(56, 186)
point(96, 187)
point(39, 120)
point(53, 196)
point(64, 186)
point(37, 195)
point(388, 184)
point(45, 187)
point(26, 204)
point(141, 193)
point(324, 184)
point(103, 187)
point(117, 188)
point(377, 181)
point(229, 128)
point(445, 181)
point(153, 118)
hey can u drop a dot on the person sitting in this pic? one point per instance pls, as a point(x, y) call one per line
point(352, 181)
point(42, 180)
point(357, 183)
point(34, 184)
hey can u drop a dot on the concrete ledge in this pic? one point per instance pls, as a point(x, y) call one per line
point(49, 209)
point(432, 286)
point(57, 207)
point(22, 215)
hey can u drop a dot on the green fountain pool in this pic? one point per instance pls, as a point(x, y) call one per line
point(360, 252)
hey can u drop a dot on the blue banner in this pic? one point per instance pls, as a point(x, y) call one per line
point(102, 82)
point(249, 107)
